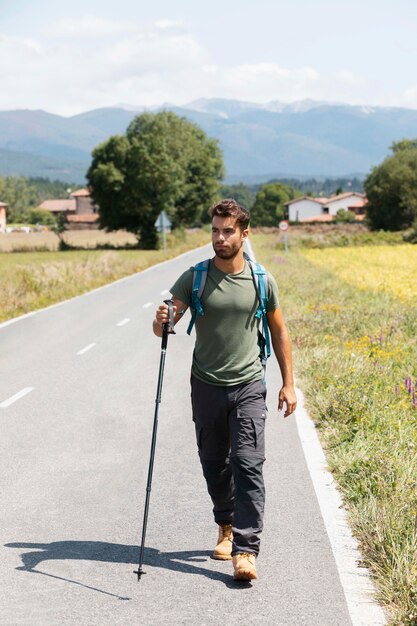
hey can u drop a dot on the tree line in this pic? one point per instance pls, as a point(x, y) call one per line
point(164, 162)
point(24, 195)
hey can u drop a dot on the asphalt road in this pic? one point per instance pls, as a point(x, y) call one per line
point(77, 397)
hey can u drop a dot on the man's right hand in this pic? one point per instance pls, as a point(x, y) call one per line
point(162, 315)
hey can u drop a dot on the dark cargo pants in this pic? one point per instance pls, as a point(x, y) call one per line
point(230, 430)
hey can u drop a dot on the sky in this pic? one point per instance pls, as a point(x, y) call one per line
point(71, 57)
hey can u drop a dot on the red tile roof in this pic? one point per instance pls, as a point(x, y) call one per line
point(318, 200)
point(80, 193)
point(326, 201)
point(347, 194)
point(361, 202)
point(55, 206)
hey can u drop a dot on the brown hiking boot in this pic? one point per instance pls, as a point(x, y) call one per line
point(223, 550)
point(244, 565)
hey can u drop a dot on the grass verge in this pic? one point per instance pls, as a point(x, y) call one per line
point(32, 280)
point(355, 355)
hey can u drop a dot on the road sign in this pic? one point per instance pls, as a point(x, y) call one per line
point(163, 223)
point(283, 226)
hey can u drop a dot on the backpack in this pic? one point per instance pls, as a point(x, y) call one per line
point(260, 281)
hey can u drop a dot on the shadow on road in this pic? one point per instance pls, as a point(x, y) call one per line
point(185, 562)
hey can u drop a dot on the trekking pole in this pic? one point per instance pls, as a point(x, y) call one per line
point(167, 328)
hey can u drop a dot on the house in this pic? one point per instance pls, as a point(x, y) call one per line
point(305, 208)
point(81, 213)
point(86, 213)
point(308, 209)
point(3, 209)
point(344, 201)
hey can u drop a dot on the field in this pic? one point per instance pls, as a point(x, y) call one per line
point(391, 270)
point(48, 241)
point(353, 321)
point(31, 280)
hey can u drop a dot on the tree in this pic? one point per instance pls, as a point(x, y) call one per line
point(59, 229)
point(269, 206)
point(403, 144)
point(241, 193)
point(19, 195)
point(39, 216)
point(391, 189)
point(162, 163)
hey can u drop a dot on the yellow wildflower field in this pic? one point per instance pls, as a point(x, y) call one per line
point(388, 269)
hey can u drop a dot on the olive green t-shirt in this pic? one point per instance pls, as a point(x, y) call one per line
point(226, 350)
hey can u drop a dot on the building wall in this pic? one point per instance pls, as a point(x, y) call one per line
point(2, 220)
point(303, 209)
point(84, 206)
point(343, 203)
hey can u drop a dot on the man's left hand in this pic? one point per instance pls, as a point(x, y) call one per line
point(287, 396)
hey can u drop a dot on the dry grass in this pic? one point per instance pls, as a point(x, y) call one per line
point(355, 355)
point(330, 235)
point(387, 269)
point(48, 241)
point(32, 280)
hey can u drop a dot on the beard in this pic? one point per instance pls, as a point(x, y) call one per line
point(228, 252)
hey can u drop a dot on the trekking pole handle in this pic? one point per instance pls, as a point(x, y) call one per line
point(171, 325)
point(168, 327)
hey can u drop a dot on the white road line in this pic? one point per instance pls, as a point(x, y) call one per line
point(165, 292)
point(16, 319)
point(108, 286)
point(16, 397)
point(356, 582)
point(147, 305)
point(86, 349)
point(124, 322)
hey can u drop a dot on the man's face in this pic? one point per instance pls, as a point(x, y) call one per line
point(227, 238)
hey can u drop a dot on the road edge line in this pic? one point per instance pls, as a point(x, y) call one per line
point(13, 320)
point(356, 581)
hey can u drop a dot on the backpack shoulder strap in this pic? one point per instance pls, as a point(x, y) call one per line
point(199, 280)
point(260, 280)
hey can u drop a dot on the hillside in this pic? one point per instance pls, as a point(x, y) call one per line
point(258, 141)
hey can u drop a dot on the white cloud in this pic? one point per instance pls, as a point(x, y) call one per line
point(93, 62)
point(170, 25)
point(349, 78)
point(152, 51)
point(409, 98)
point(89, 26)
point(262, 82)
point(16, 44)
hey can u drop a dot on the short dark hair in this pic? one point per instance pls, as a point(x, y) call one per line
point(230, 208)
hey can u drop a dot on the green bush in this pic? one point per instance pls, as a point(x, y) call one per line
point(39, 216)
point(343, 216)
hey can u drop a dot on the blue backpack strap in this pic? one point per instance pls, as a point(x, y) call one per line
point(199, 280)
point(260, 280)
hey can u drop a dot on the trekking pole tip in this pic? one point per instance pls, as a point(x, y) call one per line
point(139, 573)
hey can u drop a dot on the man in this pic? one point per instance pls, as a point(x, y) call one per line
point(228, 387)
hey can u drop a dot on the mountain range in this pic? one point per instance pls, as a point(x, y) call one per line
point(259, 141)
